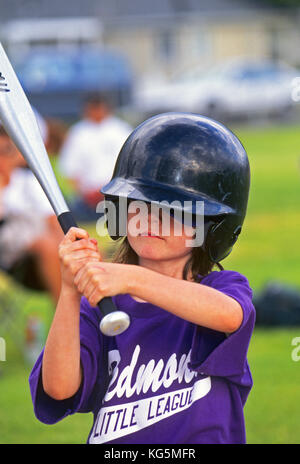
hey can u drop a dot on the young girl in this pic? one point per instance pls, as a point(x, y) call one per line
point(179, 373)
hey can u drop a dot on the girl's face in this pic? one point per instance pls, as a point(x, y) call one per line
point(152, 241)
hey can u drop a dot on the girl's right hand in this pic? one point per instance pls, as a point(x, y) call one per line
point(75, 250)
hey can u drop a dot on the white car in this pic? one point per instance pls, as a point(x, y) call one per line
point(237, 88)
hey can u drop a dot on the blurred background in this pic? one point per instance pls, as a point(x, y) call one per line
point(93, 71)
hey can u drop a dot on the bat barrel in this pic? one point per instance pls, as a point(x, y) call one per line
point(21, 125)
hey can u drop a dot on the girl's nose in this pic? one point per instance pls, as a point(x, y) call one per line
point(154, 214)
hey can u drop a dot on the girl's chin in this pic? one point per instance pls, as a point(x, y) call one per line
point(153, 254)
point(150, 253)
point(156, 249)
point(148, 246)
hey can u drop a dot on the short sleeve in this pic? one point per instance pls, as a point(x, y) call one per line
point(214, 353)
point(50, 411)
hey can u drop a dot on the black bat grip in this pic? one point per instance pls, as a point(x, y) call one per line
point(66, 221)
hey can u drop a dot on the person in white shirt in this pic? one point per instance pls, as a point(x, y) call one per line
point(28, 225)
point(89, 153)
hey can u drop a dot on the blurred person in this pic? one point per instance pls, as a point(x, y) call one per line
point(29, 231)
point(89, 153)
point(56, 133)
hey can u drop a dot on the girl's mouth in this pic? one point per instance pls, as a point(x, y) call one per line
point(149, 235)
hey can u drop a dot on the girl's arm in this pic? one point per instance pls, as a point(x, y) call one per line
point(61, 371)
point(200, 304)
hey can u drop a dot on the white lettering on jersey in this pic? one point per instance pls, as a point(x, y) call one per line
point(123, 419)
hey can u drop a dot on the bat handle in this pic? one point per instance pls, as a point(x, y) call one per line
point(113, 322)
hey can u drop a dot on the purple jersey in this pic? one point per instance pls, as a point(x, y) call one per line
point(164, 380)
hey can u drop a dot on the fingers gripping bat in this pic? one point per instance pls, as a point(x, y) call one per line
point(20, 123)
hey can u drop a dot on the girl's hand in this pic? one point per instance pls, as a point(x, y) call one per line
point(75, 250)
point(96, 280)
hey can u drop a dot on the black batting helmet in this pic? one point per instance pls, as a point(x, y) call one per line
point(183, 156)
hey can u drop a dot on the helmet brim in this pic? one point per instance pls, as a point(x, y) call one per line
point(134, 189)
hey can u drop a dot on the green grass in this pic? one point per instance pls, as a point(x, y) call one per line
point(273, 408)
point(268, 249)
point(18, 424)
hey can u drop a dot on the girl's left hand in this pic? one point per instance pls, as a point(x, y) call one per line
point(97, 280)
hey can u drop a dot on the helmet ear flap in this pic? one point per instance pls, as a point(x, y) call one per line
point(220, 240)
point(113, 223)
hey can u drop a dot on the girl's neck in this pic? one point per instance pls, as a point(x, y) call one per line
point(172, 268)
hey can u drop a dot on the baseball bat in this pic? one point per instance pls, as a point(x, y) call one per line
point(20, 123)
